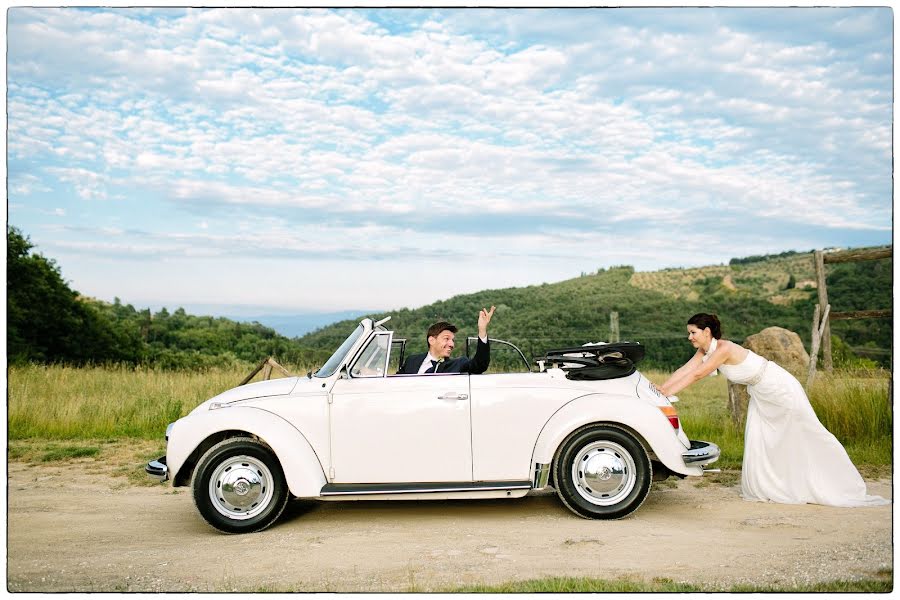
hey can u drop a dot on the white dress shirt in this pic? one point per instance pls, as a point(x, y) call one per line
point(426, 364)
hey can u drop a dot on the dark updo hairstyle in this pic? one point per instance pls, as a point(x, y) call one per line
point(703, 320)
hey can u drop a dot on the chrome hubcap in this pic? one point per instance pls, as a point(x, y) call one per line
point(241, 487)
point(604, 473)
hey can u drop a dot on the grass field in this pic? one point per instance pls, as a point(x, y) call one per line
point(882, 582)
point(58, 403)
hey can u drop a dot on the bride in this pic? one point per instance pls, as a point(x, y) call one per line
point(789, 456)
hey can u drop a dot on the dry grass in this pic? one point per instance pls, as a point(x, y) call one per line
point(117, 403)
point(58, 402)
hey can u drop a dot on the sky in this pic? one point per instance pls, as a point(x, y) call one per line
point(302, 160)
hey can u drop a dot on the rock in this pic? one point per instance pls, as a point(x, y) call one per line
point(779, 345)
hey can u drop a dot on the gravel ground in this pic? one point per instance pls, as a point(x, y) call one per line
point(74, 529)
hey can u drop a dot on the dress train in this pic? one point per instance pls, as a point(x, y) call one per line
point(789, 456)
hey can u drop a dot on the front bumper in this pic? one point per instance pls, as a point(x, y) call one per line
point(157, 469)
point(701, 453)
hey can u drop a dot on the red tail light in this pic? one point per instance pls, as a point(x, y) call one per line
point(671, 415)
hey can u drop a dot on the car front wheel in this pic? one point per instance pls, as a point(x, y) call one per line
point(239, 487)
point(602, 472)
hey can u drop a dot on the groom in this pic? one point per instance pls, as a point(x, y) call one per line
point(441, 340)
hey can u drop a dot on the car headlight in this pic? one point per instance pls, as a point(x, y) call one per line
point(168, 430)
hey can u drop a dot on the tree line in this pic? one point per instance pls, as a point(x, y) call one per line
point(49, 322)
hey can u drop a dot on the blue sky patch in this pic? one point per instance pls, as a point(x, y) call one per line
point(333, 158)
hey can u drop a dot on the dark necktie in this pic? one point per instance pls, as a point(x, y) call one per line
point(433, 368)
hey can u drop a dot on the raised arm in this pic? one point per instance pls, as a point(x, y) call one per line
point(484, 318)
point(482, 359)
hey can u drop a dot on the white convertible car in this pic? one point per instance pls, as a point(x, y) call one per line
point(585, 422)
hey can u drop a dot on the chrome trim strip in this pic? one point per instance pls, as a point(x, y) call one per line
point(701, 452)
point(358, 490)
point(541, 475)
point(157, 469)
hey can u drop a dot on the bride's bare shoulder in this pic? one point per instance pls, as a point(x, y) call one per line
point(734, 351)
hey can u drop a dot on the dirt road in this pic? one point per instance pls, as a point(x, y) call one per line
point(73, 530)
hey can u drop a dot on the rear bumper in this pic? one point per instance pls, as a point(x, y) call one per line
point(157, 469)
point(701, 453)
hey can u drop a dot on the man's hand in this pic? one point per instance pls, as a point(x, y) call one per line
point(484, 317)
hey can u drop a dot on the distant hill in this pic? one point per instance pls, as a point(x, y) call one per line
point(48, 322)
point(299, 324)
point(779, 279)
point(748, 295)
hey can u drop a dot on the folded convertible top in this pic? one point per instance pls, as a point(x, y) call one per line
point(596, 361)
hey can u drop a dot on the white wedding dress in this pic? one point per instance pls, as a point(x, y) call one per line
point(789, 456)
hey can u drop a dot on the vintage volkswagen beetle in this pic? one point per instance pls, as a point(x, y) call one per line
point(354, 431)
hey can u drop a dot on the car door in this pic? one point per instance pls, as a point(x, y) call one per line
point(399, 428)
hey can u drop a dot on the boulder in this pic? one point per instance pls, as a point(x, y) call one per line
point(779, 345)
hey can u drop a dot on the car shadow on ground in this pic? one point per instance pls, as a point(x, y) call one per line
point(539, 504)
point(536, 504)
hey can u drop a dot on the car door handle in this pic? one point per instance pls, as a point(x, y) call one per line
point(452, 396)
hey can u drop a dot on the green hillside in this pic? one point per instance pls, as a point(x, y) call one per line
point(748, 295)
point(48, 322)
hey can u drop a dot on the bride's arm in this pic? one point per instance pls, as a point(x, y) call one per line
point(685, 377)
point(695, 360)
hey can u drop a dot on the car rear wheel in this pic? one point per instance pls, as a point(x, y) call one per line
point(239, 487)
point(602, 472)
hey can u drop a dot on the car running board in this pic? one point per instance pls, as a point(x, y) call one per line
point(352, 489)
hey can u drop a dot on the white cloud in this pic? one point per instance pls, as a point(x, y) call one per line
point(26, 184)
point(593, 120)
point(88, 184)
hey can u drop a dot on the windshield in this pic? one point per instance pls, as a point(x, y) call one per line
point(331, 366)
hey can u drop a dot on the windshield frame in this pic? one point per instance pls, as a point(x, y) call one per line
point(333, 363)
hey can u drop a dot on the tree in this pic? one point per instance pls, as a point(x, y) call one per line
point(46, 321)
point(41, 317)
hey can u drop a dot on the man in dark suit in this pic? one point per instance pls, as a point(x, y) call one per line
point(441, 340)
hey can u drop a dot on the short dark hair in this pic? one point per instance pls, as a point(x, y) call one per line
point(704, 320)
point(436, 329)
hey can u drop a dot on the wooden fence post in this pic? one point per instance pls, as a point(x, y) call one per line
point(823, 301)
point(737, 403)
point(822, 333)
point(613, 326)
point(268, 363)
point(818, 331)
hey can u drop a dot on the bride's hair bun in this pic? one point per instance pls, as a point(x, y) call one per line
point(704, 320)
